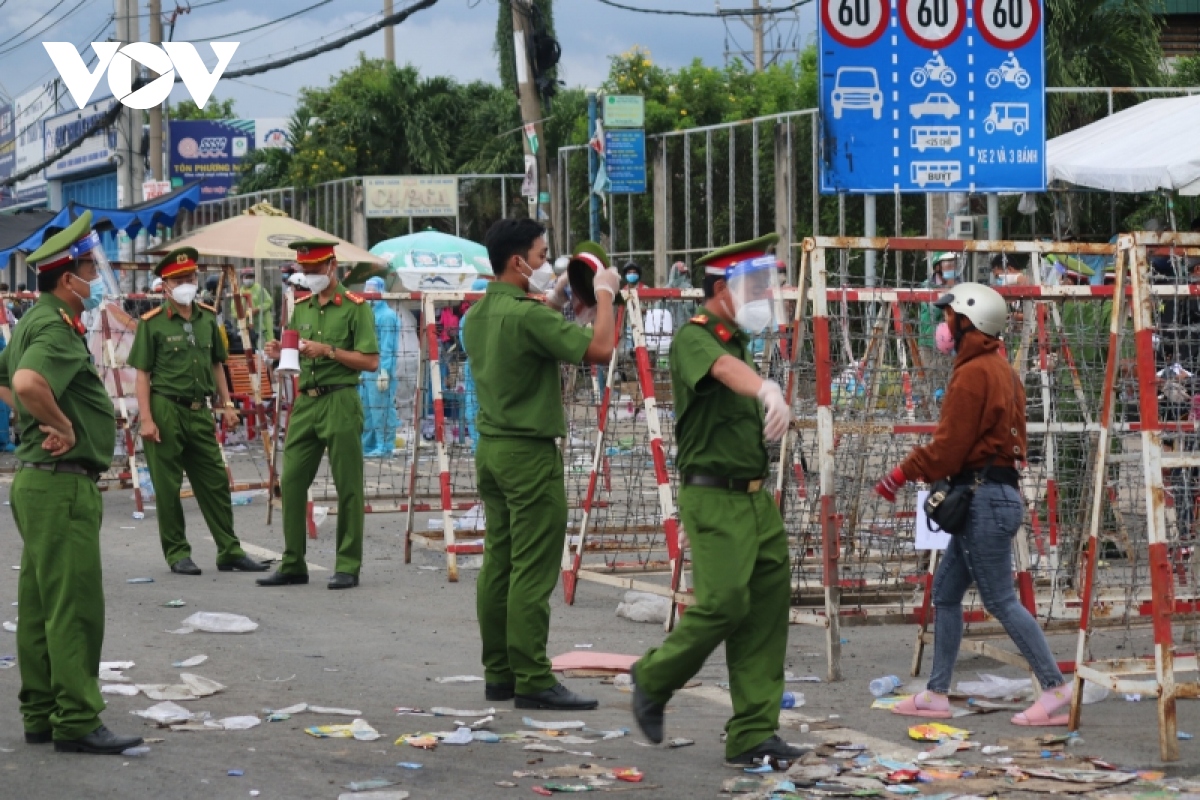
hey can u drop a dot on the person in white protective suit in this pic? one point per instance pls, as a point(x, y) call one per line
point(378, 389)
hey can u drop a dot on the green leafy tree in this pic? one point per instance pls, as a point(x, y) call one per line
point(213, 109)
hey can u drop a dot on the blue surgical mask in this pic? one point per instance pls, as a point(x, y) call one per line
point(95, 294)
point(631, 278)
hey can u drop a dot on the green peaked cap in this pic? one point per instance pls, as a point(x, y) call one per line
point(752, 248)
point(60, 241)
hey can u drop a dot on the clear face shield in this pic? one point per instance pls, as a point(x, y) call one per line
point(91, 247)
point(754, 289)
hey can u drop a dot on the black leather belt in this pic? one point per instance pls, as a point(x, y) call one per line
point(321, 391)
point(62, 466)
point(194, 405)
point(1008, 476)
point(748, 486)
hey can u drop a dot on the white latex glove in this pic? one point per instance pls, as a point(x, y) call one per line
point(778, 415)
point(381, 382)
point(556, 298)
point(608, 279)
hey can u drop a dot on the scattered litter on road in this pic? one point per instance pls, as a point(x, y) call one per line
point(183, 631)
point(8, 662)
point(359, 729)
point(136, 752)
point(573, 725)
point(163, 691)
point(220, 622)
point(409, 765)
point(506, 784)
point(681, 742)
point(291, 677)
point(239, 723)
point(596, 664)
point(199, 685)
point(11, 627)
point(139, 580)
point(644, 607)
point(119, 688)
point(363, 786)
point(235, 773)
point(789, 677)
point(194, 661)
point(373, 796)
point(487, 737)
point(165, 713)
point(936, 732)
point(421, 741)
point(1183, 736)
point(336, 712)
point(583, 646)
point(174, 604)
point(460, 679)
point(441, 711)
point(139, 515)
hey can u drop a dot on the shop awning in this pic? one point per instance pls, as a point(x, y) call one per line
point(25, 231)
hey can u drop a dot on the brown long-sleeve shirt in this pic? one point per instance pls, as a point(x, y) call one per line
point(983, 415)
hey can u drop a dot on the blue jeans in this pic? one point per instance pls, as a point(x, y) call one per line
point(983, 556)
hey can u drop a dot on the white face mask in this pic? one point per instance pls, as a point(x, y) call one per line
point(247, 281)
point(585, 315)
point(316, 283)
point(184, 293)
point(755, 316)
point(540, 279)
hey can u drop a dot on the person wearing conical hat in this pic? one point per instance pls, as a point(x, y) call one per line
point(741, 570)
point(178, 354)
point(68, 433)
point(337, 345)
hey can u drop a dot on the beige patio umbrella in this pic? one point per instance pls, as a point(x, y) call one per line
point(262, 232)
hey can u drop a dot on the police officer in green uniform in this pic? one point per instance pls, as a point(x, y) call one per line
point(514, 345)
point(740, 568)
point(68, 433)
point(178, 352)
point(337, 343)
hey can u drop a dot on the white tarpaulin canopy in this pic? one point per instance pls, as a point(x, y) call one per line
point(1154, 145)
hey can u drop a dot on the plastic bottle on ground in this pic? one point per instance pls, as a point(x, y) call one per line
point(790, 700)
point(888, 684)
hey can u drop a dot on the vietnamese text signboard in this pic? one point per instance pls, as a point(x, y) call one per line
point(625, 160)
point(410, 196)
point(932, 95)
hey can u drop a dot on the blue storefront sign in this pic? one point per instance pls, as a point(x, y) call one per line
point(211, 150)
point(932, 95)
point(625, 160)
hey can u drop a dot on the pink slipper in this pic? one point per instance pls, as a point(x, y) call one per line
point(1039, 714)
point(925, 704)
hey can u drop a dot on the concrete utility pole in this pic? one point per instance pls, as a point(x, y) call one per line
point(124, 118)
point(531, 108)
point(757, 21)
point(389, 35)
point(156, 113)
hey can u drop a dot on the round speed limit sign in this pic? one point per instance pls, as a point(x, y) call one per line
point(1008, 24)
point(854, 23)
point(933, 23)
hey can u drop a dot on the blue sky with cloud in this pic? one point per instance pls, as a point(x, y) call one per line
point(452, 38)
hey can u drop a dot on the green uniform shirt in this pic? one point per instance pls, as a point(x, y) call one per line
point(717, 432)
point(179, 353)
point(345, 322)
point(49, 344)
point(514, 345)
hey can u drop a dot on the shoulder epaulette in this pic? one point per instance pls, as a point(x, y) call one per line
point(699, 319)
point(207, 307)
point(74, 324)
point(152, 312)
point(356, 298)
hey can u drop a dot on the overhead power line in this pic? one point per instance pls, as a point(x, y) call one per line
point(749, 12)
point(293, 15)
point(110, 116)
point(36, 36)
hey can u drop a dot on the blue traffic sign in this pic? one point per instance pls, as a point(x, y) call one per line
point(625, 160)
point(932, 96)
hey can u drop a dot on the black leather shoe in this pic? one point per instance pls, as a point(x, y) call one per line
point(499, 691)
point(556, 698)
point(101, 741)
point(185, 566)
point(646, 713)
point(244, 564)
point(775, 749)
point(40, 737)
point(278, 578)
point(343, 580)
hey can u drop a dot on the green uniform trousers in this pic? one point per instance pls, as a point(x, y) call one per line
point(60, 597)
point(189, 444)
point(525, 508)
point(742, 581)
point(335, 422)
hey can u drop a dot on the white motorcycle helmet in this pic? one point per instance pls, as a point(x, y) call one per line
point(981, 304)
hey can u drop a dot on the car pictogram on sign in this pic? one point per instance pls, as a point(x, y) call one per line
point(937, 104)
